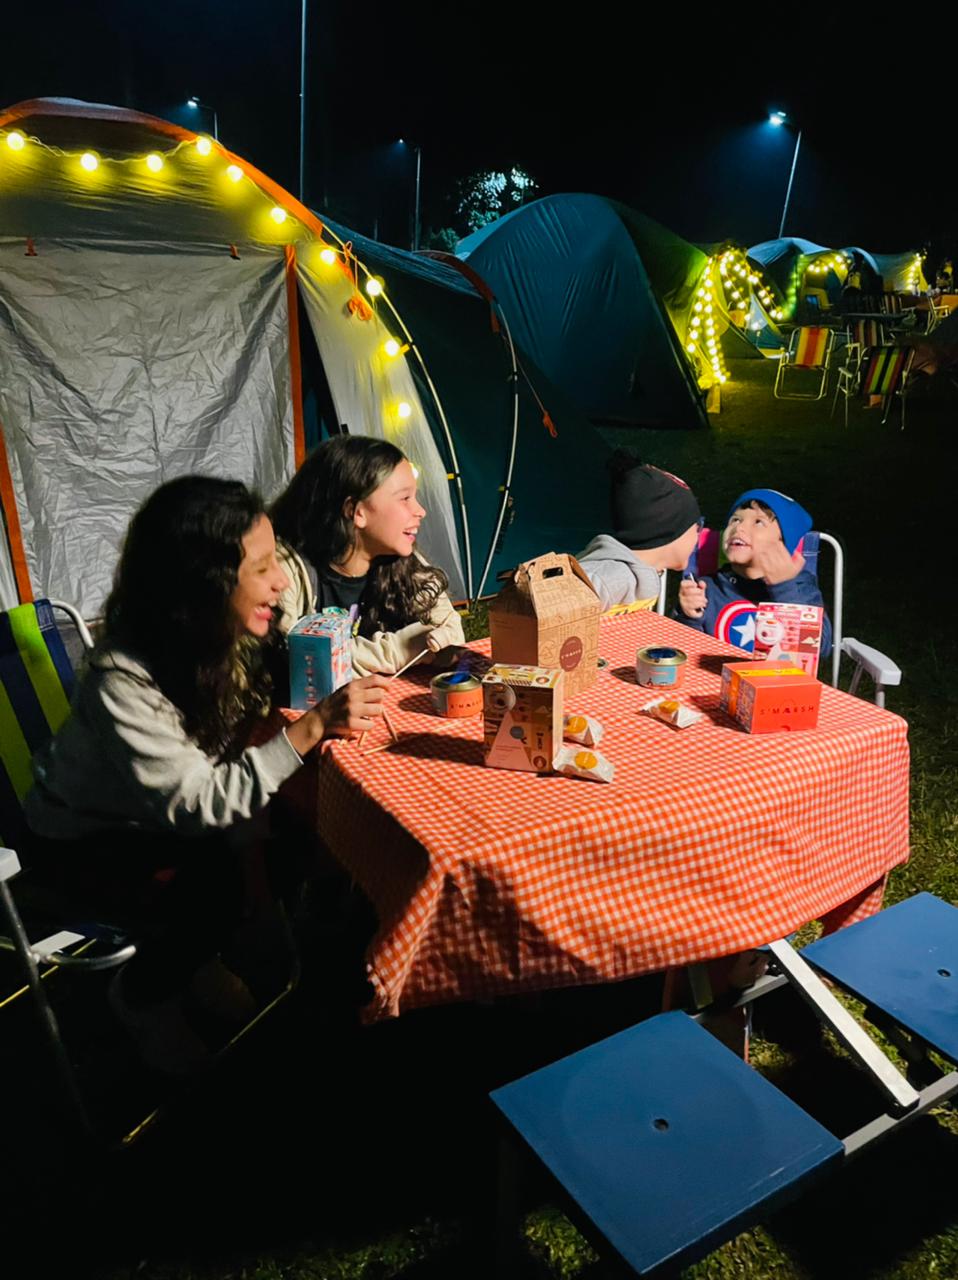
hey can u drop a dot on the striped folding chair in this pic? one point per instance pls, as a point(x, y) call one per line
point(36, 683)
point(808, 356)
point(862, 337)
point(887, 376)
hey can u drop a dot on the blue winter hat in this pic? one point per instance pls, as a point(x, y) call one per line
point(793, 520)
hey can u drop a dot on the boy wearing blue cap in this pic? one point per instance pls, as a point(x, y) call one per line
point(760, 543)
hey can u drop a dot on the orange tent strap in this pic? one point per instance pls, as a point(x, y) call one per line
point(295, 360)
point(8, 502)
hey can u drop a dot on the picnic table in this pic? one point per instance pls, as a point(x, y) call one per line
point(708, 842)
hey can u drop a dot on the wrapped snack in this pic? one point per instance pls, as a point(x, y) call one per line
point(582, 729)
point(580, 762)
point(672, 712)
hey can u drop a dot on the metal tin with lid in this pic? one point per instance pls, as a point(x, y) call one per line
point(660, 667)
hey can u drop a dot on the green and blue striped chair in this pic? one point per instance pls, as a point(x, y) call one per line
point(36, 684)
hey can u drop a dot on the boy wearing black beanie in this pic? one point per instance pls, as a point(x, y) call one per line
point(655, 521)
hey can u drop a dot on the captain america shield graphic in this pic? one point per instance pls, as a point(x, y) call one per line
point(736, 624)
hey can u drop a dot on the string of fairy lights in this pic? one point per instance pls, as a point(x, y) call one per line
point(725, 291)
point(367, 288)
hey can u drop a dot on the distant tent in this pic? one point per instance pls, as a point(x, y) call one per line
point(748, 302)
point(801, 269)
point(599, 296)
point(899, 272)
point(157, 309)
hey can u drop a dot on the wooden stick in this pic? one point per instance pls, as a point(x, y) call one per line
point(392, 734)
point(409, 663)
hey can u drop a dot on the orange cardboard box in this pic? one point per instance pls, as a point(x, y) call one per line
point(768, 696)
point(547, 615)
point(522, 717)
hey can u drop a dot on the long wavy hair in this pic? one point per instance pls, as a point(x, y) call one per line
point(170, 606)
point(314, 516)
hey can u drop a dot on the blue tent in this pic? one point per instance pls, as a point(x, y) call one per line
point(598, 295)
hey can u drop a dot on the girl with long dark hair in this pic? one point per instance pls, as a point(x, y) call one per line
point(151, 769)
point(349, 518)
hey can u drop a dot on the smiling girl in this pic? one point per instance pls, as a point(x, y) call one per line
point(350, 518)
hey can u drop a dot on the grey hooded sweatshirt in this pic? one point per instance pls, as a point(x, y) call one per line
point(618, 576)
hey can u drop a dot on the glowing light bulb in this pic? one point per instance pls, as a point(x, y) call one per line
point(403, 409)
point(374, 288)
point(16, 141)
point(277, 214)
point(391, 347)
point(234, 173)
point(89, 161)
point(328, 256)
point(690, 346)
point(154, 162)
point(204, 146)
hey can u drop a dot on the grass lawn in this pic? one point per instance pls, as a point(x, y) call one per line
point(330, 1153)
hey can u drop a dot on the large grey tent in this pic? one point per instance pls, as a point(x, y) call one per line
point(159, 301)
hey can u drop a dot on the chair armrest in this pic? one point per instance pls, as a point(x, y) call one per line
point(872, 661)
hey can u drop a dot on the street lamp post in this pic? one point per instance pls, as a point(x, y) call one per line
point(777, 118)
point(195, 103)
point(417, 207)
point(302, 104)
point(415, 238)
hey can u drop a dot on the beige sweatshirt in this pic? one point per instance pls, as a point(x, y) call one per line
point(386, 651)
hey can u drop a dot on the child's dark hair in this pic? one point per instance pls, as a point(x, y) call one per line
point(759, 506)
point(171, 606)
point(311, 516)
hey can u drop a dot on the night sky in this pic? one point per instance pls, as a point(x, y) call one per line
point(664, 114)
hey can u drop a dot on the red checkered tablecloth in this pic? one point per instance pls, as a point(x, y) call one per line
point(708, 841)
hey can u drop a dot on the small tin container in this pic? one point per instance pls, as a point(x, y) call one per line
point(456, 694)
point(660, 667)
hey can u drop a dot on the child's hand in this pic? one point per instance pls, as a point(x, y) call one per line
point(777, 564)
point(692, 597)
point(353, 708)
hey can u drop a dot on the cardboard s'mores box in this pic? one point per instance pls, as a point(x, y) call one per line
point(522, 716)
point(320, 657)
point(547, 615)
point(768, 696)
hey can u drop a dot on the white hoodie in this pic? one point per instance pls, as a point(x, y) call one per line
point(123, 758)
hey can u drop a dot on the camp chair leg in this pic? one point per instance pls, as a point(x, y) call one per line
point(49, 1028)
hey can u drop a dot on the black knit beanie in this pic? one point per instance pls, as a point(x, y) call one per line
point(650, 508)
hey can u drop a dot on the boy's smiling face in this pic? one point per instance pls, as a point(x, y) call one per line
point(750, 533)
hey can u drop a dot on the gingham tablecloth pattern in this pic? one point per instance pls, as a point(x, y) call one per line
point(708, 841)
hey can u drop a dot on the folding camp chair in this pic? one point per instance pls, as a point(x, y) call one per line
point(866, 661)
point(665, 1145)
point(886, 375)
point(862, 337)
point(36, 681)
point(936, 313)
point(809, 354)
